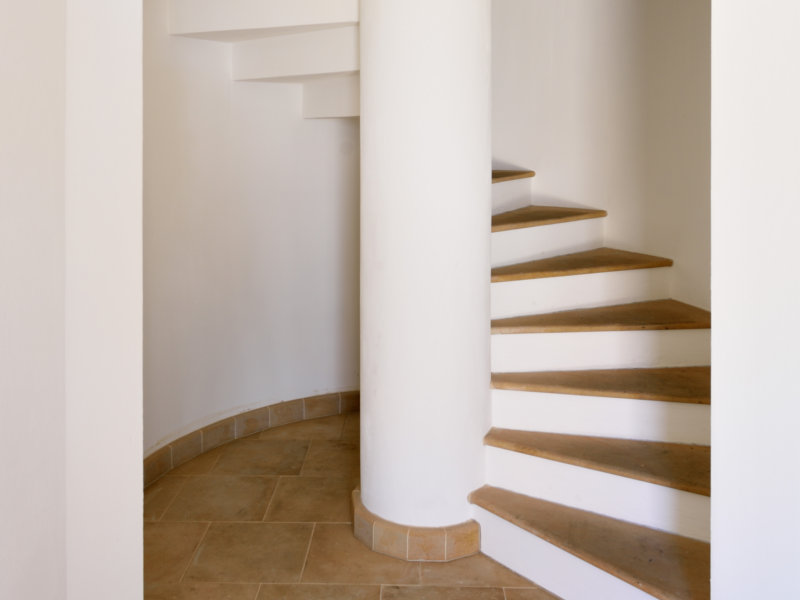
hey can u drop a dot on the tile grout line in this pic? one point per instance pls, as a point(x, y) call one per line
point(308, 551)
point(258, 591)
point(194, 552)
point(175, 497)
point(305, 457)
point(271, 498)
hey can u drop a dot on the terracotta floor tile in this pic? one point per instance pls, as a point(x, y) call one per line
point(201, 591)
point(200, 465)
point(251, 552)
point(168, 548)
point(332, 458)
point(477, 570)
point(262, 457)
point(313, 591)
point(327, 428)
point(336, 556)
point(222, 498)
point(529, 594)
point(397, 592)
point(325, 499)
point(352, 428)
point(157, 497)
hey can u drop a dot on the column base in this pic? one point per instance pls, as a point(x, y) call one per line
point(433, 544)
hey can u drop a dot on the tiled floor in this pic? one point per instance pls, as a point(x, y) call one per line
point(269, 518)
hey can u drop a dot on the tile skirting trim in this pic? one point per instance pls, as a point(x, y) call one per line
point(193, 444)
point(423, 544)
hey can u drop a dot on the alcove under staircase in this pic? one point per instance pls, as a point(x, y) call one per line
point(598, 460)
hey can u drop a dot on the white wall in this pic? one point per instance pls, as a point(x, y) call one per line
point(32, 552)
point(609, 103)
point(70, 307)
point(755, 522)
point(251, 240)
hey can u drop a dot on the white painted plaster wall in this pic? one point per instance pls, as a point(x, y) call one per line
point(103, 299)
point(609, 103)
point(32, 438)
point(70, 307)
point(756, 293)
point(251, 240)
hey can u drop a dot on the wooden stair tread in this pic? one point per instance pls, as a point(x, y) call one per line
point(499, 175)
point(598, 260)
point(690, 385)
point(533, 216)
point(637, 316)
point(665, 565)
point(684, 467)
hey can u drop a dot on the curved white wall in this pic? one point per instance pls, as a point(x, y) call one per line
point(251, 240)
point(425, 91)
point(609, 103)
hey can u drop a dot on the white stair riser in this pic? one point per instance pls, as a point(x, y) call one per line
point(599, 416)
point(599, 350)
point(647, 504)
point(549, 566)
point(232, 20)
point(551, 294)
point(510, 195)
point(332, 97)
point(297, 56)
point(531, 243)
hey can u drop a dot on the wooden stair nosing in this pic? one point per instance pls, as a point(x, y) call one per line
point(598, 260)
point(688, 385)
point(500, 175)
point(665, 565)
point(685, 467)
point(535, 216)
point(651, 315)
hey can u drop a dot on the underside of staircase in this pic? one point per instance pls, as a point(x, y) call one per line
point(598, 459)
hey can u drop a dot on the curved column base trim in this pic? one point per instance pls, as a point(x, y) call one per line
point(429, 544)
point(200, 441)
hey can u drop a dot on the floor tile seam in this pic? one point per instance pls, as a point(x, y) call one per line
point(308, 551)
point(271, 498)
point(195, 551)
point(171, 502)
point(258, 591)
point(305, 457)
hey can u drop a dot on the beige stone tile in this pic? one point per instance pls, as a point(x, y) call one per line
point(158, 496)
point(285, 412)
point(262, 457)
point(314, 591)
point(463, 539)
point(529, 594)
point(390, 538)
point(253, 421)
point(397, 592)
point(336, 556)
point(426, 543)
point(326, 428)
point(351, 401)
point(221, 498)
point(157, 465)
point(200, 465)
point(168, 548)
point(219, 433)
point(186, 448)
point(476, 570)
point(321, 406)
point(251, 552)
point(352, 428)
point(201, 591)
point(328, 458)
point(322, 499)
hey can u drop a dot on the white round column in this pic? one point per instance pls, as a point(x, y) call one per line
point(425, 228)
